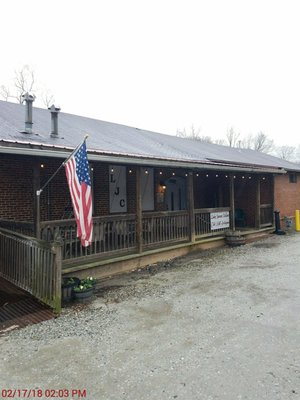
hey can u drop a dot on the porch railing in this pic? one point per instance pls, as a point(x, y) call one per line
point(110, 234)
point(117, 233)
point(24, 227)
point(33, 265)
point(266, 215)
point(165, 227)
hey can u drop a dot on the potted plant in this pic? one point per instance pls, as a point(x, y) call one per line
point(67, 286)
point(85, 288)
point(234, 238)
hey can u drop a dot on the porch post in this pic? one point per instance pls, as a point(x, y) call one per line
point(139, 216)
point(36, 200)
point(257, 212)
point(191, 208)
point(231, 196)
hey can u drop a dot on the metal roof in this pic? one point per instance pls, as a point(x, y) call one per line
point(120, 141)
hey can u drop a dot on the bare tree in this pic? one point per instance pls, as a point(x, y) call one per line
point(4, 92)
point(232, 137)
point(47, 98)
point(262, 143)
point(193, 134)
point(286, 152)
point(24, 82)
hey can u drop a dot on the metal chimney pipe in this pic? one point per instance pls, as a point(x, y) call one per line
point(29, 99)
point(54, 120)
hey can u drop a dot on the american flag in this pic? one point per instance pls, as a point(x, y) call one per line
point(77, 171)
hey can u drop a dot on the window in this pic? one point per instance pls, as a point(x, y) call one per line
point(293, 177)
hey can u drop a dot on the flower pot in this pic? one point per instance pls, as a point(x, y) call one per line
point(234, 239)
point(67, 288)
point(84, 294)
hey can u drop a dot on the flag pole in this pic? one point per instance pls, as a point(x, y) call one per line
point(38, 192)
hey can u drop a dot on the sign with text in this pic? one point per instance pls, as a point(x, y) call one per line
point(219, 220)
point(117, 189)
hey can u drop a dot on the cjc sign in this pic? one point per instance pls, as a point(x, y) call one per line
point(117, 189)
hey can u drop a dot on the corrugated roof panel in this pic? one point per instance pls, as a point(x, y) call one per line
point(124, 140)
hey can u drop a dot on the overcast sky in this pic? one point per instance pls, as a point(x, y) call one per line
point(163, 65)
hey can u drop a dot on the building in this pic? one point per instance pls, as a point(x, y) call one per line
point(155, 196)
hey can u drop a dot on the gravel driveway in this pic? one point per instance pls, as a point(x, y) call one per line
point(221, 324)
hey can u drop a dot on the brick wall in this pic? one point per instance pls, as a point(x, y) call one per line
point(286, 195)
point(16, 188)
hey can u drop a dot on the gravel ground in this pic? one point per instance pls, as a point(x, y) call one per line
point(220, 324)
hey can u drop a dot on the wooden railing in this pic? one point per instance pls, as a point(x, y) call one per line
point(165, 227)
point(203, 221)
point(266, 215)
point(114, 233)
point(33, 265)
point(24, 227)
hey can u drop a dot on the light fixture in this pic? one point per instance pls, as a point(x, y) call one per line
point(112, 170)
point(197, 174)
point(160, 173)
point(130, 171)
point(146, 172)
point(217, 175)
point(42, 165)
point(173, 173)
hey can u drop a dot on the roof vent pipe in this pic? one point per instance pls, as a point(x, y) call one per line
point(29, 99)
point(54, 120)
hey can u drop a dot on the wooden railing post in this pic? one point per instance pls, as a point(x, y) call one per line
point(57, 250)
point(257, 211)
point(231, 196)
point(139, 216)
point(191, 208)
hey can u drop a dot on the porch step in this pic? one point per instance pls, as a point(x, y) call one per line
point(19, 309)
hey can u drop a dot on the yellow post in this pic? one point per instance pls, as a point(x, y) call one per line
point(297, 220)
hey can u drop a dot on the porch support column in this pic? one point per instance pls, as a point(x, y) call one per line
point(257, 211)
point(231, 199)
point(139, 215)
point(191, 208)
point(36, 200)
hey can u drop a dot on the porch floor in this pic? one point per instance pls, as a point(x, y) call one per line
point(19, 309)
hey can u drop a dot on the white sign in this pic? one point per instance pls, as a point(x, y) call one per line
point(219, 220)
point(117, 189)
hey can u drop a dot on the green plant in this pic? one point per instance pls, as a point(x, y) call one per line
point(85, 284)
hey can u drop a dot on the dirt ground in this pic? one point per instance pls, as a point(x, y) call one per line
point(221, 324)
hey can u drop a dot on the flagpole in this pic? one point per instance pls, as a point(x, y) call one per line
point(38, 192)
